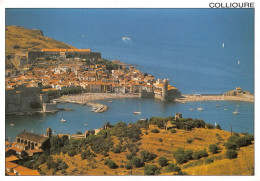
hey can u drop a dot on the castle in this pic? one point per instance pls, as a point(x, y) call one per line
point(161, 90)
point(29, 57)
point(27, 99)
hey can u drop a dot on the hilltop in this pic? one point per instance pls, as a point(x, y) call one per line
point(18, 38)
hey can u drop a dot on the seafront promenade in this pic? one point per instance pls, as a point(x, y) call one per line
point(214, 97)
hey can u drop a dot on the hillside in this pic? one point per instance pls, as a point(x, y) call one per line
point(18, 38)
point(192, 148)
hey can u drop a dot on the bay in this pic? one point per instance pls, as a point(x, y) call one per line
point(82, 119)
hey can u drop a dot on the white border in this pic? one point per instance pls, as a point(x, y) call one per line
point(121, 4)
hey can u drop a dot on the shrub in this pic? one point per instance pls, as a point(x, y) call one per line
point(173, 130)
point(146, 156)
point(209, 160)
point(128, 166)
point(112, 164)
point(243, 141)
point(209, 126)
point(160, 139)
point(130, 156)
point(116, 149)
point(178, 151)
point(72, 153)
point(162, 161)
point(189, 141)
point(213, 148)
point(218, 126)
point(170, 167)
point(136, 162)
point(182, 156)
point(233, 138)
point(231, 145)
point(151, 170)
point(180, 159)
point(231, 154)
point(199, 154)
point(188, 154)
point(155, 131)
point(180, 173)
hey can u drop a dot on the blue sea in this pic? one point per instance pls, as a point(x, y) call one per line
point(207, 51)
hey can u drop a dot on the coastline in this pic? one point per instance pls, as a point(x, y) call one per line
point(85, 98)
point(88, 98)
point(216, 97)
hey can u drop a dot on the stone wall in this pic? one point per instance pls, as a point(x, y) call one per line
point(49, 107)
point(145, 94)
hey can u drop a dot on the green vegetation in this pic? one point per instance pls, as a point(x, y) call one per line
point(65, 91)
point(162, 161)
point(213, 148)
point(182, 156)
point(199, 154)
point(136, 162)
point(111, 164)
point(231, 154)
point(151, 170)
point(172, 168)
point(209, 160)
point(155, 131)
point(146, 156)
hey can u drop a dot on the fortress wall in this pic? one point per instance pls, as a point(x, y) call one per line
point(145, 94)
point(49, 107)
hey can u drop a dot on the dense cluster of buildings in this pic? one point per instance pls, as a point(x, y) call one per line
point(24, 89)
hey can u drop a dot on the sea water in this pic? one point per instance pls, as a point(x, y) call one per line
point(183, 45)
point(82, 118)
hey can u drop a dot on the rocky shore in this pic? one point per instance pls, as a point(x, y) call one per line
point(87, 98)
point(220, 97)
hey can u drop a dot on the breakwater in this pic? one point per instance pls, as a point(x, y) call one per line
point(214, 97)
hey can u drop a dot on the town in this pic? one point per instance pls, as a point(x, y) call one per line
point(38, 75)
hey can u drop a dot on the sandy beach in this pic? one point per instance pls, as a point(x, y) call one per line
point(190, 98)
point(89, 97)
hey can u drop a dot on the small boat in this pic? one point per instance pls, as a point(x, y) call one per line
point(126, 38)
point(85, 124)
point(223, 45)
point(236, 111)
point(11, 124)
point(200, 109)
point(110, 101)
point(62, 120)
point(191, 109)
point(137, 112)
point(225, 109)
point(217, 105)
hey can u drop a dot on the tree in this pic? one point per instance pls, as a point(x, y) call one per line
point(136, 162)
point(231, 154)
point(151, 170)
point(180, 159)
point(213, 148)
point(147, 156)
point(162, 161)
point(111, 164)
point(231, 145)
point(155, 131)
